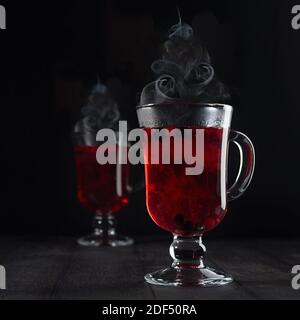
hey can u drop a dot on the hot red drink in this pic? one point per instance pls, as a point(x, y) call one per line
point(100, 188)
point(188, 205)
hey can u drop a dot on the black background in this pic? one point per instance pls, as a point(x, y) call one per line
point(50, 55)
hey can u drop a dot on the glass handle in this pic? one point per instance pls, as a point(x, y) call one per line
point(247, 163)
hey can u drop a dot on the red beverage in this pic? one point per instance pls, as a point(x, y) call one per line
point(188, 205)
point(100, 188)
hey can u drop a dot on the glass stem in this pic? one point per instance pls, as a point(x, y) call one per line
point(187, 252)
point(104, 225)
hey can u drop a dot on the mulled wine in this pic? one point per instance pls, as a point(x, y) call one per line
point(100, 188)
point(188, 205)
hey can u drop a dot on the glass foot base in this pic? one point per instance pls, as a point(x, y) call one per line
point(97, 240)
point(202, 277)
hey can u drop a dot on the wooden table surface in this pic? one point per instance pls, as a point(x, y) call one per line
point(56, 268)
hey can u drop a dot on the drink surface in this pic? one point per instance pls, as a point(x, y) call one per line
point(100, 188)
point(183, 204)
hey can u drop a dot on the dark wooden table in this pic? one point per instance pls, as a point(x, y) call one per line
point(56, 268)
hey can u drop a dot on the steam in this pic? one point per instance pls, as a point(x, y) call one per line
point(100, 111)
point(184, 71)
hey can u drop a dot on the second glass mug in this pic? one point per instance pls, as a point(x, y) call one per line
point(102, 189)
point(190, 205)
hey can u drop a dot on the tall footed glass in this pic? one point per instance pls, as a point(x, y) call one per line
point(190, 203)
point(102, 189)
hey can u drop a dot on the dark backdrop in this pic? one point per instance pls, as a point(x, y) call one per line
point(50, 55)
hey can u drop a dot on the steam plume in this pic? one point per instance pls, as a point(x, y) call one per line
point(100, 111)
point(184, 71)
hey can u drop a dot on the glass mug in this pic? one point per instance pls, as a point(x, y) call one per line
point(190, 205)
point(102, 189)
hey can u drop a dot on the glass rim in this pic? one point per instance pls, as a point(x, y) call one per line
point(184, 103)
